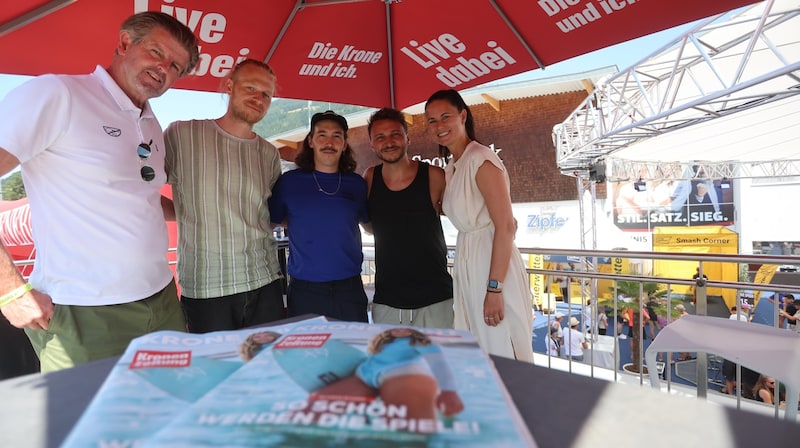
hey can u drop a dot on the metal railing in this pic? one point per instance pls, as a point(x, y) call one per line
point(708, 366)
point(589, 274)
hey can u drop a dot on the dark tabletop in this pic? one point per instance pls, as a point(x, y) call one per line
point(560, 409)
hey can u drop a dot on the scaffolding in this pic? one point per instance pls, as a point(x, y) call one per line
point(724, 65)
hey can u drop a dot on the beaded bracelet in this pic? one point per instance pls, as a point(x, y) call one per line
point(15, 294)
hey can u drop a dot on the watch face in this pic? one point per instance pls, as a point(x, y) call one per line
point(493, 284)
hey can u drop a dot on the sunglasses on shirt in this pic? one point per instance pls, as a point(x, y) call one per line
point(147, 172)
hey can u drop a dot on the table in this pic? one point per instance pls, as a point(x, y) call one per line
point(601, 352)
point(560, 409)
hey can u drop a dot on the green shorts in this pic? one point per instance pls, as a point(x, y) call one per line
point(438, 315)
point(79, 334)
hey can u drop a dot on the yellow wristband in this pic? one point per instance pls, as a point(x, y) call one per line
point(15, 294)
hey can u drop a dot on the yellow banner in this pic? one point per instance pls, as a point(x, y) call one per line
point(536, 261)
point(763, 275)
point(619, 265)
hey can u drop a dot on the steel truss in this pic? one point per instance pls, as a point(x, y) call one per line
point(714, 70)
point(630, 170)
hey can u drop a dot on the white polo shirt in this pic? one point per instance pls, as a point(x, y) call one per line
point(98, 227)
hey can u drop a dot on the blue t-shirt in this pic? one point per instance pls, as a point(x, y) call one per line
point(324, 238)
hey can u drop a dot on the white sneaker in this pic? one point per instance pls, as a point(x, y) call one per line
point(623, 336)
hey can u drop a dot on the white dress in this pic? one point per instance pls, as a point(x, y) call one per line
point(465, 207)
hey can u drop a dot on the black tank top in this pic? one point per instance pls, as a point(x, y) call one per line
point(410, 252)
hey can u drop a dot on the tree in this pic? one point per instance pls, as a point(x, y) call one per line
point(286, 115)
point(632, 289)
point(13, 188)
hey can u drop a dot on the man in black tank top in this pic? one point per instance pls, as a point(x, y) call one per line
point(412, 283)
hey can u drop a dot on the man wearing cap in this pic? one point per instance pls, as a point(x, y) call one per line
point(321, 204)
point(575, 342)
point(553, 344)
point(736, 315)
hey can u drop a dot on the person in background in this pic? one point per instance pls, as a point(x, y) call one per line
point(736, 315)
point(574, 341)
point(553, 344)
point(92, 156)
point(791, 314)
point(682, 312)
point(490, 283)
point(602, 320)
point(764, 390)
point(589, 325)
point(786, 307)
point(221, 174)
point(412, 284)
point(563, 282)
point(652, 322)
point(321, 204)
point(556, 325)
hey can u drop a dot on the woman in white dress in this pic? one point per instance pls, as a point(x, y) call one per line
point(490, 284)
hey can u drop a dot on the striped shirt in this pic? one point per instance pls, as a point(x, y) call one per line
point(220, 186)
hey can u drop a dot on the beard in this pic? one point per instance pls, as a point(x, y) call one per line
point(392, 157)
point(246, 114)
point(149, 87)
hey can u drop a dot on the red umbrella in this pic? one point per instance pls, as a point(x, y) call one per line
point(365, 52)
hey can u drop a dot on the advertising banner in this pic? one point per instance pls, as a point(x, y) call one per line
point(536, 261)
point(646, 205)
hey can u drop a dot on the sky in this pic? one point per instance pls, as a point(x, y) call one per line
point(185, 105)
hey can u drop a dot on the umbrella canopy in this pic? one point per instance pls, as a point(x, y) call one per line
point(365, 52)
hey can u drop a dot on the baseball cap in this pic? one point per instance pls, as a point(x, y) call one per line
point(328, 115)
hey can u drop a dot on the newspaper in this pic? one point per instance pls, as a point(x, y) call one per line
point(330, 384)
point(156, 379)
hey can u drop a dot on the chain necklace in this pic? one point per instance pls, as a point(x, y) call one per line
point(319, 187)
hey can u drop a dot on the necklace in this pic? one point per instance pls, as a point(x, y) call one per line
point(319, 187)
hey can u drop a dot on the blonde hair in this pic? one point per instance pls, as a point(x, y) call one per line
point(250, 348)
point(381, 339)
point(243, 63)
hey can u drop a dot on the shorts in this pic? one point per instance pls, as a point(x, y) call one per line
point(79, 334)
point(438, 315)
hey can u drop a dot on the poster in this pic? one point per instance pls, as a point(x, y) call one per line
point(333, 384)
point(158, 377)
point(642, 205)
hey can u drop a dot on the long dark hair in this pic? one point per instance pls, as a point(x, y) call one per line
point(455, 99)
point(305, 158)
